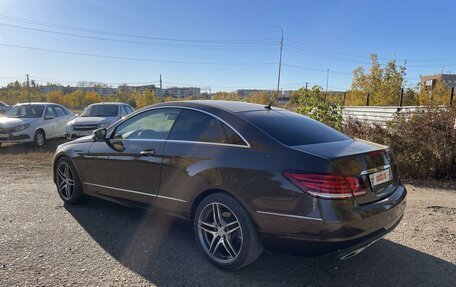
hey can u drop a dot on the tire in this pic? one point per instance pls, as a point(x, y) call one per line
point(68, 183)
point(225, 243)
point(39, 138)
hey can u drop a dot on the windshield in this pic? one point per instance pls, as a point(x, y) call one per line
point(25, 111)
point(101, 111)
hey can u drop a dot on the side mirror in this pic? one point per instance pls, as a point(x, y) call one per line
point(99, 135)
point(49, 117)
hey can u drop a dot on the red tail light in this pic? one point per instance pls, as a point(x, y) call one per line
point(327, 185)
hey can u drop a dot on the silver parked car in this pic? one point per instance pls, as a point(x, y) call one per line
point(96, 116)
point(34, 122)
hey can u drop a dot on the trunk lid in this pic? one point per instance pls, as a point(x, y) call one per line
point(374, 163)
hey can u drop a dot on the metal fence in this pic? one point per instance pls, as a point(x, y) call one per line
point(379, 115)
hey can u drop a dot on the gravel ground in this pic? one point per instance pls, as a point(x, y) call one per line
point(46, 243)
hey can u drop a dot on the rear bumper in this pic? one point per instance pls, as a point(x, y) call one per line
point(341, 228)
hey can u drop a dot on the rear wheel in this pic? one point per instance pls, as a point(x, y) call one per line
point(225, 233)
point(39, 138)
point(68, 183)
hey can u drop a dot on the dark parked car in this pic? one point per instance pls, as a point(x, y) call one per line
point(245, 176)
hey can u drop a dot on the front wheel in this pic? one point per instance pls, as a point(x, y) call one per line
point(39, 138)
point(68, 183)
point(225, 233)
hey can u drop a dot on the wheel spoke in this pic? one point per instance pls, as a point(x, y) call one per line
point(66, 191)
point(232, 227)
point(229, 248)
point(205, 226)
point(66, 172)
point(216, 213)
point(62, 185)
point(61, 174)
point(71, 182)
point(214, 245)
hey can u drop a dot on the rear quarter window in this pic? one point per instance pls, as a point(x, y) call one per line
point(293, 129)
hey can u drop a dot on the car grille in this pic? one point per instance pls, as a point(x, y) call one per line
point(85, 127)
point(6, 130)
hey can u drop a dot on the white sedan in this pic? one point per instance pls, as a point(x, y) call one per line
point(34, 122)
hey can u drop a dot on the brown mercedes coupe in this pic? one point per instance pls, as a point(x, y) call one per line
point(244, 175)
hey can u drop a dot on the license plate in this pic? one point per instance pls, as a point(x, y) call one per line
point(4, 135)
point(380, 177)
point(81, 134)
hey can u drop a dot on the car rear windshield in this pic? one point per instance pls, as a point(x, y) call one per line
point(101, 111)
point(25, 111)
point(293, 129)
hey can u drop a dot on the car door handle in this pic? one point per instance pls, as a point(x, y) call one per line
point(147, 152)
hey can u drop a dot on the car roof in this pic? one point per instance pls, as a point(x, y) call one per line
point(37, 103)
point(231, 106)
point(108, 103)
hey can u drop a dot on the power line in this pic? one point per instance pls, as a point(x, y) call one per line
point(225, 46)
point(59, 26)
point(316, 70)
point(136, 59)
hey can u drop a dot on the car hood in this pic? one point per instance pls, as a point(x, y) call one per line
point(93, 120)
point(6, 122)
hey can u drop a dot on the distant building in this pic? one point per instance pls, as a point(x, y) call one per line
point(183, 92)
point(245, 93)
point(178, 92)
point(50, 88)
point(104, 91)
point(127, 89)
point(429, 81)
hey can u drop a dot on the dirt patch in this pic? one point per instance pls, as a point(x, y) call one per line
point(443, 209)
point(46, 243)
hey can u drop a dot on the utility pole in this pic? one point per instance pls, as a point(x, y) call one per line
point(161, 89)
point(327, 79)
point(306, 86)
point(280, 66)
point(28, 89)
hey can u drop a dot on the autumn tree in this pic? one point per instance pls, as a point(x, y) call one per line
point(55, 97)
point(146, 98)
point(383, 84)
point(225, 96)
point(91, 98)
point(262, 97)
point(438, 94)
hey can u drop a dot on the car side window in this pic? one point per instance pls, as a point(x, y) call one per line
point(199, 127)
point(49, 112)
point(154, 124)
point(123, 111)
point(232, 136)
point(58, 111)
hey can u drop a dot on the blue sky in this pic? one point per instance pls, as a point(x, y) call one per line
point(224, 45)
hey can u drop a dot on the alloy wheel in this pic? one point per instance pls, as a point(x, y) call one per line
point(220, 232)
point(39, 139)
point(65, 181)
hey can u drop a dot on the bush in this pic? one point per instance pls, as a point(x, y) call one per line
point(312, 103)
point(424, 143)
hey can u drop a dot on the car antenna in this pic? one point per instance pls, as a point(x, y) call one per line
point(268, 107)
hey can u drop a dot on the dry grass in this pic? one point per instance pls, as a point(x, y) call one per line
point(14, 154)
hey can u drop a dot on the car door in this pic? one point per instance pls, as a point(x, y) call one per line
point(60, 119)
point(49, 122)
point(128, 164)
